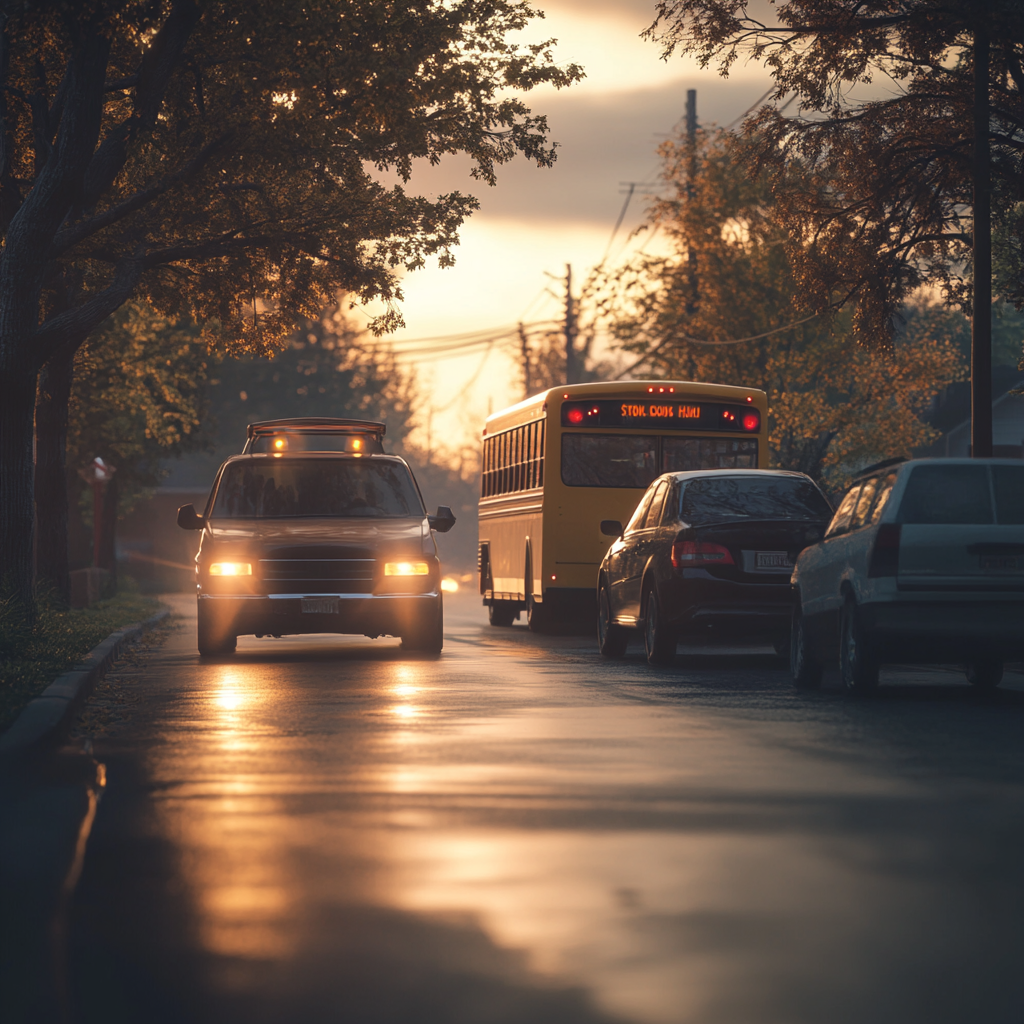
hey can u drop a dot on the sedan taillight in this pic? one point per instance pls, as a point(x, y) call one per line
point(688, 553)
point(885, 555)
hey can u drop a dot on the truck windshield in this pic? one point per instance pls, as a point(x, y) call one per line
point(317, 487)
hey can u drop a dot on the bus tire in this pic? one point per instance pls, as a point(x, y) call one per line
point(537, 617)
point(612, 640)
point(659, 640)
point(502, 613)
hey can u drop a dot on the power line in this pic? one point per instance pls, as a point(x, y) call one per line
point(472, 380)
point(704, 341)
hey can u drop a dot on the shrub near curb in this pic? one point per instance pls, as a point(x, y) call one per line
point(32, 657)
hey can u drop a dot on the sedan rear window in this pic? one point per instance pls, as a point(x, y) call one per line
point(754, 497)
point(317, 487)
point(947, 494)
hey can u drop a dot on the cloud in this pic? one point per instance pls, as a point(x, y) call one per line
point(603, 140)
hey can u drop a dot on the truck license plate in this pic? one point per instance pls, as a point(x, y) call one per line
point(320, 605)
point(772, 560)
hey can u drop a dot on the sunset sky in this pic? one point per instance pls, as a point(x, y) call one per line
point(537, 220)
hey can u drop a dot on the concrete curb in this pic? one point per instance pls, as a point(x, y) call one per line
point(45, 720)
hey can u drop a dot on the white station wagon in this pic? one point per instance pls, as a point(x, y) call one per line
point(922, 562)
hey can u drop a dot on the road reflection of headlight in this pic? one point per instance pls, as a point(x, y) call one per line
point(405, 711)
point(230, 695)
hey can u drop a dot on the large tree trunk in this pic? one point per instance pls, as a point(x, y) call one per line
point(51, 474)
point(17, 516)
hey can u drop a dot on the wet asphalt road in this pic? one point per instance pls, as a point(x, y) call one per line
point(328, 830)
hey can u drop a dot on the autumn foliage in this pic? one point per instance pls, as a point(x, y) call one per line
point(728, 270)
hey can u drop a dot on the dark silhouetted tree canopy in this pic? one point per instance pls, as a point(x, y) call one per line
point(225, 161)
point(882, 125)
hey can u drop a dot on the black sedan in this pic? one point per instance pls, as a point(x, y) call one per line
point(707, 557)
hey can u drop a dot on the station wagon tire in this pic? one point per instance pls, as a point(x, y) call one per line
point(804, 665)
point(984, 675)
point(213, 637)
point(502, 613)
point(427, 636)
point(612, 640)
point(859, 669)
point(659, 640)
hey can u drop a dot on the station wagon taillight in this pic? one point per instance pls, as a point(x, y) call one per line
point(885, 555)
point(688, 553)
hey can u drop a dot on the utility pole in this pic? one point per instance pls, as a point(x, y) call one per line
point(691, 192)
point(981, 321)
point(524, 349)
point(571, 370)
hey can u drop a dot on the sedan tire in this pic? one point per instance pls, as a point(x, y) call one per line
point(859, 669)
point(804, 664)
point(612, 640)
point(984, 675)
point(659, 640)
point(427, 636)
point(213, 636)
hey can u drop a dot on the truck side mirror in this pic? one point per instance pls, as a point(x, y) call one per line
point(188, 519)
point(611, 527)
point(442, 520)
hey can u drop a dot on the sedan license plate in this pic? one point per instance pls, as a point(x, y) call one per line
point(320, 606)
point(772, 560)
point(1000, 563)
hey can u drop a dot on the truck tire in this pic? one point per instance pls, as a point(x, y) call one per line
point(213, 634)
point(427, 635)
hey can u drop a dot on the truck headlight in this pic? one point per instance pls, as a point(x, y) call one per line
point(230, 569)
point(406, 569)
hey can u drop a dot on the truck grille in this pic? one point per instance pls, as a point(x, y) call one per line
point(318, 575)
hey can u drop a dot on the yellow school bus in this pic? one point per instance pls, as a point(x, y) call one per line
point(558, 463)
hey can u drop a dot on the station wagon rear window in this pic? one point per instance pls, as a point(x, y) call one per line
point(962, 495)
point(317, 487)
point(753, 497)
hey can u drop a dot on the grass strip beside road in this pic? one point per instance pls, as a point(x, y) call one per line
point(32, 657)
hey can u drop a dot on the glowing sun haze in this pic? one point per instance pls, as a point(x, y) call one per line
point(536, 220)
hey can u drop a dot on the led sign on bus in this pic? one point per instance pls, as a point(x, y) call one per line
point(673, 415)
